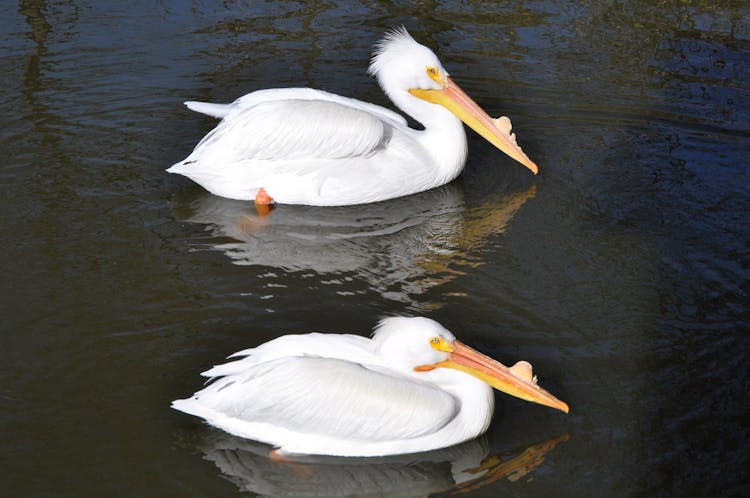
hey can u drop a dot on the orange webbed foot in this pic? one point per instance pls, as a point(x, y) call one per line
point(263, 202)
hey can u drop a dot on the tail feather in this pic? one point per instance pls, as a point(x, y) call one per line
point(192, 407)
point(215, 110)
point(179, 168)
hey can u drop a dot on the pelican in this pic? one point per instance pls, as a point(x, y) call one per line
point(310, 147)
point(412, 387)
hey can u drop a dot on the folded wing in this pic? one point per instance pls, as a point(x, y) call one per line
point(329, 397)
point(283, 130)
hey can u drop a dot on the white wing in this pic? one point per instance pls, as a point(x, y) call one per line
point(341, 346)
point(293, 129)
point(273, 94)
point(327, 397)
point(294, 123)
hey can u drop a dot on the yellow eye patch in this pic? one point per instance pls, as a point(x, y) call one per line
point(441, 344)
point(434, 74)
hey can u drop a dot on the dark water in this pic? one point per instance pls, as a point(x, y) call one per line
point(622, 272)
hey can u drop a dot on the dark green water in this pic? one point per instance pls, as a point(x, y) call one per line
point(622, 272)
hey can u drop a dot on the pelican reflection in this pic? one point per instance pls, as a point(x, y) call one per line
point(457, 469)
point(400, 248)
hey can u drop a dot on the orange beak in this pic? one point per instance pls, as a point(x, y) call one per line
point(456, 101)
point(513, 381)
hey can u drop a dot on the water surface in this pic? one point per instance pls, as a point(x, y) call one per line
point(621, 272)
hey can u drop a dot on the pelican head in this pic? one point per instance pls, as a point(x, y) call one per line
point(418, 345)
point(409, 72)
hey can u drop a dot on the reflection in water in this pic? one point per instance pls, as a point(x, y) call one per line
point(458, 469)
point(33, 11)
point(400, 248)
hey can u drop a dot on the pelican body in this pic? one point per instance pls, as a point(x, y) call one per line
point(307, 146)
point(412, 387)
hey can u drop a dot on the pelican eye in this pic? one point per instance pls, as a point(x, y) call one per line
point(441, 344)
point(434, 74)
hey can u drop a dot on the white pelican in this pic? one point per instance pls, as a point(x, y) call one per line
point(412, 387)
point(306, 146)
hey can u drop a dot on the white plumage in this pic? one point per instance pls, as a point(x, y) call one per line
point(407, 389)
point(306, 146)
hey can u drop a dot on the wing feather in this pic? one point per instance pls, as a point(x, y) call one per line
point(331, 397)
point(269, 94)
point(294, 129)
point(343, 346)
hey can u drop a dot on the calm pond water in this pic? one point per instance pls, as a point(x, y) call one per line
point(622, 271)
